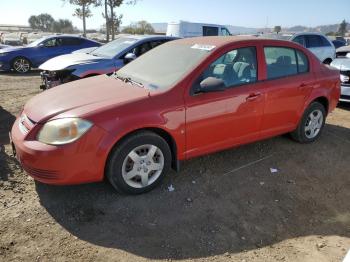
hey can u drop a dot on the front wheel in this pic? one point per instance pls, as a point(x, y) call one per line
point(139, 163)
point(21, 65)
point(311, 124)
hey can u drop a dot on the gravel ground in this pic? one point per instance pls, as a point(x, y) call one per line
point(225, 207)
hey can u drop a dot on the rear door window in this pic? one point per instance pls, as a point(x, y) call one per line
point(300, 40)
point(283, 61)
point(313, 41)
point(280, 62)
point(324, 41)
point(210, 31)
point(71, 41)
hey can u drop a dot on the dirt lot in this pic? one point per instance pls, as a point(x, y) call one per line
point(225, 207)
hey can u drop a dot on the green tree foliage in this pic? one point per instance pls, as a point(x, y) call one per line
point(43, 22)
point(342, 28)
point(63, 26)
point(277, 29)
point(83, 10)
point(139, 28)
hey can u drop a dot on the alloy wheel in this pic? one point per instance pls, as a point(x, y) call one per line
point(314, 124)
point(143, 166)
point(21, 65)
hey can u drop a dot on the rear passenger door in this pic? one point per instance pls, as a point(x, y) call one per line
point(289, 81)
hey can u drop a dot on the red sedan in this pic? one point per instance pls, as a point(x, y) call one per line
point(184, 99)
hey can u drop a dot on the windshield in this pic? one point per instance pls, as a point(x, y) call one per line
point(36, 42)
point(113, 48)
point(165, 65)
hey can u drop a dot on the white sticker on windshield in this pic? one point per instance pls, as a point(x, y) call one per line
point(203, 47)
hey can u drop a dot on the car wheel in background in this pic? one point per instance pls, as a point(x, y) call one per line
point(311, 124)
point(138, 163)
point(327, 61)
point(21, 65)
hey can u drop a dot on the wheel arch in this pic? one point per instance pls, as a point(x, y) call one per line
point(175, 163)
point(327, 61)
point(21, 56)
point(323, 101)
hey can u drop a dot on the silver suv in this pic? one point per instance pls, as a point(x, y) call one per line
point(318, 44)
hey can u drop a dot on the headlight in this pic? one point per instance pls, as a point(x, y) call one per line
point(63, 131)
point(344, 78)
point(3, 54)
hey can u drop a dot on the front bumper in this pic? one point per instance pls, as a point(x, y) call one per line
point(82, 161)
point(345, 93)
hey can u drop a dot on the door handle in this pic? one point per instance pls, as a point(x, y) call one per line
point(253, 96)
point(304, 86)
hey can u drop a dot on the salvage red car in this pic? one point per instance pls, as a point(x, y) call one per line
point(184, 99)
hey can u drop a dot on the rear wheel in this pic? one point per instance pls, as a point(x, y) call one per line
point(21, 65)
point(139, 163)
point(311, 124)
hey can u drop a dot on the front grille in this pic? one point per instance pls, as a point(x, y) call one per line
point(346, 73)
point(25, 123)
point(345, 97)
point(40, 173)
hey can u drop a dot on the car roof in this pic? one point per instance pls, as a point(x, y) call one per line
point(142, 37)
point(220, 41)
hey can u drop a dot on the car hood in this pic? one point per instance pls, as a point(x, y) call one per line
point(344, 49)
point(93, 92)
point(11, 49)
point(342, 64)
point(64, 61)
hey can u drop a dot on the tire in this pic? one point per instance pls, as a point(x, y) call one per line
point(133, 158)
point(310, 130)
point(21, 65)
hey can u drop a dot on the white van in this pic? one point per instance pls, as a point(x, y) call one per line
point(187, 29)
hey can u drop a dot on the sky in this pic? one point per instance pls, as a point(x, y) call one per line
point(247, 13)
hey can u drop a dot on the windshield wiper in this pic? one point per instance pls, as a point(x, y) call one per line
point(128, 80)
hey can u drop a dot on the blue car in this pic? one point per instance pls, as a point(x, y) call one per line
point(22, 59)
point(103, 60)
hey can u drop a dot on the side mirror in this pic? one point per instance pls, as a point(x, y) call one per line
point(129, 57)
point(211, 84)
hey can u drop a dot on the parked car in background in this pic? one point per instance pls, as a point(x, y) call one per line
point(185, 29)
point(183, 99)
point(343, 51)
point(317, 43)
point(338, 43)
point(343, 65)
point(12, 39)
point(3, 46)
point(103, 60)
point(22, 59)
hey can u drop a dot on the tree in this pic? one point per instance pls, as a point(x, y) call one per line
point(277, 29)
point(113, 20)
point(43, 22)
point(63, 26)
point(140, 28)
point(342, 28)
point(83, 11)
